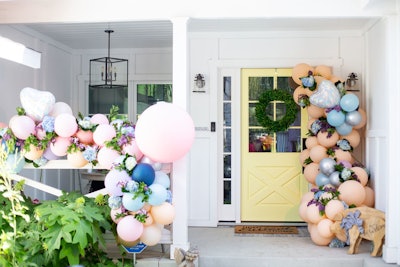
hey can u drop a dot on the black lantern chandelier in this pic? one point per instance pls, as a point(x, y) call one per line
point(108, 72)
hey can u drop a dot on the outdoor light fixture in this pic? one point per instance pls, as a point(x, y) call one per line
point(18, 53)
point(351, 82)
point(199, 83)
point(108, 72)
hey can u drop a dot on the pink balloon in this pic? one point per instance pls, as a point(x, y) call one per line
point(22, 126)
point(106, 157)
point(60, 146)
point(65, 125)
point(60, 108)
point(114, 213)
point(133, 150)
point(164, 132)
point(114, 181)
point(99, 119)
point(129, 229)
point(103, 133)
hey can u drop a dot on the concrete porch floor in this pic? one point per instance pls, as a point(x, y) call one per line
point(220, 247)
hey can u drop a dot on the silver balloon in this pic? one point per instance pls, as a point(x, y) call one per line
point(334, 178)
point(327, 166)
point(157, 166)
point(353, 118)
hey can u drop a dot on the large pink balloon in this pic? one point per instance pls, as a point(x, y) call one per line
point(164, 132)
point(22, 126)
point(65, 125)
point(103, 133)
point(129, 229)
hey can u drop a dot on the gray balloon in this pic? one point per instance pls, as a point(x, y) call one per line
point(327, 166)
point(334, 178)
point(353, 118)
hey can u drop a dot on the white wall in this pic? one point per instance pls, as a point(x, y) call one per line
point(209, 52)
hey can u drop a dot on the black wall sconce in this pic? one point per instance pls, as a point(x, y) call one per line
point(351, 83)
point(199, 83)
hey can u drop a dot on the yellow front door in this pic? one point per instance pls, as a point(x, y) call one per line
point(271, 175)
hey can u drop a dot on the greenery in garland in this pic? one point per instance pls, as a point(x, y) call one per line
point(278, 125)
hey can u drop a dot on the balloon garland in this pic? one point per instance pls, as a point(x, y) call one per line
point(137, 157)
point(276, 125)
point(336, 179)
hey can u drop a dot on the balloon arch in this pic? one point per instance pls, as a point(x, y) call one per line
point(337, 180)
point(138, 188)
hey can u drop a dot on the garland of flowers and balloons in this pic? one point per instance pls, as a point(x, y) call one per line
point(337, 180)
point(270, 125)
point(136, 156)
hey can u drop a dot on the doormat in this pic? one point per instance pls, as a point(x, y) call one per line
point(266, 229)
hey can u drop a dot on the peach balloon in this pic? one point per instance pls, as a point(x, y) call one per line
point(362, 175)
point(312, 214)
point(352, 192)
point(76, 159)
point(318, 239)
point(315, 112)
point(369, 197)
point(85, 136)
point(336, 79)
point(324, 71)
point(333, 207)
point(305, 154)
point(326, 141)
point(309, 92)
point(99, 119)
point(307, 197)
point(311, 171)
point(65, 125)
point(319, 79)
point(353, 137)
point(363, 119)
point(303, 211)
point(34, 152)
point(132, 149)
point(311, 142)
point(299, 71)
point(60, 146)
point(151, 235)
point(317, 153)
point(149, 220)
point(104, 133)
point(323, 228)
point(298, 92)
point(341, 155)
point(163, 214)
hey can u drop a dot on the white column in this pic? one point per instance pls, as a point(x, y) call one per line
point(180, 170)
point(391, 249)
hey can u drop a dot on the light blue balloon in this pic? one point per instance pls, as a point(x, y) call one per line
point(321, 179)
point(349, 102)
point(131, 203)
point(344, 129)
point(162, 179)
point(158, 194)
point(335, 118)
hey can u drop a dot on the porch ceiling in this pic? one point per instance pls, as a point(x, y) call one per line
point(150, 34)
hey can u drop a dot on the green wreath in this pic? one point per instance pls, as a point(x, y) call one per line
point(282, 124)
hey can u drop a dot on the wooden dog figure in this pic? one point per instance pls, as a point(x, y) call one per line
point(353, 225)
